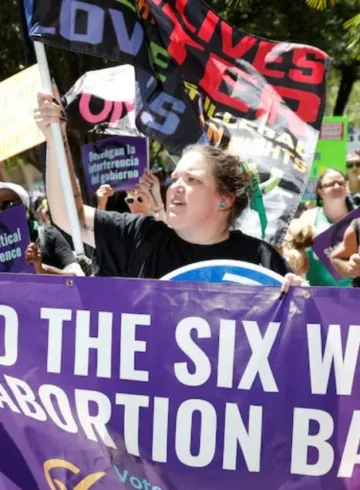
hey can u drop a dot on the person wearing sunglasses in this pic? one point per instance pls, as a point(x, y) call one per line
point(353, 176)
point(333, 204)
point(48, 251)
point(142, 199)
point(138, 202)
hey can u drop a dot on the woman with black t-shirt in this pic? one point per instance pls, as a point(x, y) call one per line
point(209, 190)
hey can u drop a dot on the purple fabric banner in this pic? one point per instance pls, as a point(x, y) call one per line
point(326, 242)
point(117, 160)
point(14, 239)
point(250, 392)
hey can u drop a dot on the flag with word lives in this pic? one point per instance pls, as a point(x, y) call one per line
point(202, 80)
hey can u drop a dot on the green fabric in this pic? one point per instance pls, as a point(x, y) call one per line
point(256, 201)
point(318, 275)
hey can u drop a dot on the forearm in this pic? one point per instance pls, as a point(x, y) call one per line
point(341, 266)
point(54, 271)
point(54, 189)
point(160, 215)
point(102, 204)
point(158, 207)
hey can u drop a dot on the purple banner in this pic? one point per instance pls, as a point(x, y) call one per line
point(14, 239)
point(250, 392)
point(117, 160)
point(326, 242)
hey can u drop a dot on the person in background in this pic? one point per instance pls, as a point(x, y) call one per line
point(332, 205)
point(346, 257)
point(143, 199)
point(299, 237)
point(353, 176)
point(48, 251)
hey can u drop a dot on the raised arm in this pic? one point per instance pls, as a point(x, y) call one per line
point(346, 258)
point(47, 112)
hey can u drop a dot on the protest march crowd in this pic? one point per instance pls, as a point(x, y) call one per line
point(208, 191)
point(239, 118)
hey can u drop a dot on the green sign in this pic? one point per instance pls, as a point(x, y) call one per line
point(331, 151)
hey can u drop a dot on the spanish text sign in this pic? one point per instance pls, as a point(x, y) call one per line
point(118, 161)
point(250, 392)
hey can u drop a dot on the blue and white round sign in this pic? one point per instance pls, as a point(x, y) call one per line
point(234, 271)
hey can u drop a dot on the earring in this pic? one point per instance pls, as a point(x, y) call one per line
point(222, 205)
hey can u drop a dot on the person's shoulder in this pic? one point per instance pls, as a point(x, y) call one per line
point(309, 216)
point(50, 232)
point(136, 223)
point(242, 238)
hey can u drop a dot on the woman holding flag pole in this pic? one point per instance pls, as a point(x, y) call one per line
point(209, 191)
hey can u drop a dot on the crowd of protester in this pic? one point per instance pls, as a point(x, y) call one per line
point(134, 234)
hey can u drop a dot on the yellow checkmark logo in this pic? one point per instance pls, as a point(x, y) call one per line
point(55, 484)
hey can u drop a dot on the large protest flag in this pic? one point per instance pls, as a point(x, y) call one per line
point(95, 102)
point(199, 79)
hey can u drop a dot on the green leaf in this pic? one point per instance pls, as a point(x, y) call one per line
point(353, 26)
point(322, 4)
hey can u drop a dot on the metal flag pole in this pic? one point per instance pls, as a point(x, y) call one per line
point(60, 155)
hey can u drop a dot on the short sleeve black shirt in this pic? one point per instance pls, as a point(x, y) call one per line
point(55, 250)
point(129, 245)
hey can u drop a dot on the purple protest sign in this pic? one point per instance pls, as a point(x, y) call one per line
point(250, 392)
point(14, 238)
point(326, 242)
point(117, 160)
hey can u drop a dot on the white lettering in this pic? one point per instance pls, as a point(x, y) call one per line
point(102, 344)
point(132, 405)
point(207, 433)
point(302, 440)
point(344, 365)
point(11, 331)
point(55, 317)
point(202, 370)
point(129, 346)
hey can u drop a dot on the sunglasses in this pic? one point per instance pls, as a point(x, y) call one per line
point(4, 205)
point(349, 166)
point(131, 200)
point(333, 184)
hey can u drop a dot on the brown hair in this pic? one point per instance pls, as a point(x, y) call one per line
point(232, 178)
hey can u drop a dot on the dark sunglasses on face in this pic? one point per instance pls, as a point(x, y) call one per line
point(131, 200)
point(4, 205)
point(349, 166)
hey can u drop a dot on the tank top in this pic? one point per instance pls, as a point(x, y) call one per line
point(318, 275)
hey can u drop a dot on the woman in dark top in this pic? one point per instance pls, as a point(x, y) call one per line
point(209, 190)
